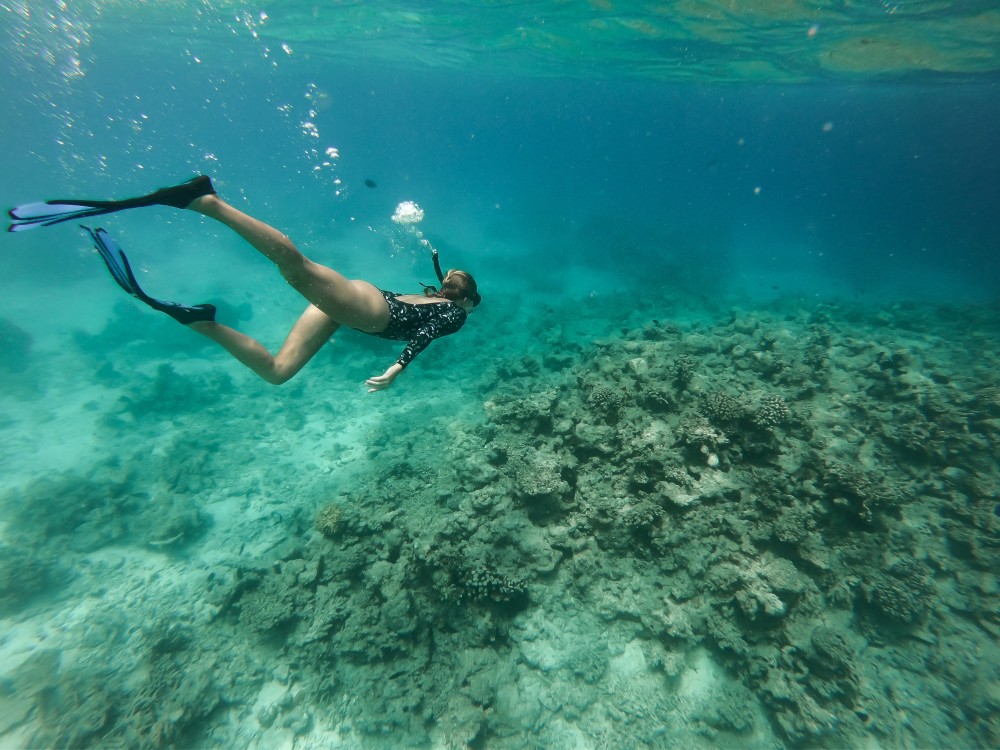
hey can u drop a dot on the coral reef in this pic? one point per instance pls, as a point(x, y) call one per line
point(769, 530)
point(772, 411)
point(902, 595)
point(330, 520)
point(25, 575)
point(722, 408)
point(165, 707)
point(84, 514)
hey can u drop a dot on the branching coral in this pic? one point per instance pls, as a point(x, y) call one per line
point(683, 371)
point(481, 585)
point(606, 401)
point(771, 412)
point(330, 520)
point(721, 408)
point(852, 488)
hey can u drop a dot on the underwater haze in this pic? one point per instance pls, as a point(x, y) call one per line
point(714, 463)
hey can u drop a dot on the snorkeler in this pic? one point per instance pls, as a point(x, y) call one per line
point(333, 299)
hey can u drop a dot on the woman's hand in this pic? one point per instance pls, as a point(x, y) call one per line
point(383, 381)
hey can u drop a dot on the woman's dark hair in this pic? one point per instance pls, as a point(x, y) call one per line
point(456, 285)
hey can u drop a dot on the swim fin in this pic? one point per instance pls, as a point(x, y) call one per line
point(32, 215)
point(121, 272)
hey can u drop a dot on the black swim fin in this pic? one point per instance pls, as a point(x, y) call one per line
point(121, 272)
point(31, 215)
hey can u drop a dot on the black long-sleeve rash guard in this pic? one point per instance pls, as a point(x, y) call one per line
point(419, 325)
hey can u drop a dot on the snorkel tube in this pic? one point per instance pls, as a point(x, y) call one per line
point(437, 266)
point(437, 272)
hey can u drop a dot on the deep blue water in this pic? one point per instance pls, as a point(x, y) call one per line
point(856, 190)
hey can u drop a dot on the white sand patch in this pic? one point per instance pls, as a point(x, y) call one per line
point(701, 678)
point(54, 435)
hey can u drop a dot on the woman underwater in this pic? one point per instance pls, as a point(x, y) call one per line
point(333, 299)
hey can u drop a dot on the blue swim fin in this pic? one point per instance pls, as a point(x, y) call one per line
point(47, 213)
point(121, 272)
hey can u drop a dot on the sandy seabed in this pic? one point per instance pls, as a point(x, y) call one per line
point(581, 526)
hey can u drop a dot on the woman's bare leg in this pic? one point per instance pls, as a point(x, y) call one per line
point(310, 332)
point(353, 303)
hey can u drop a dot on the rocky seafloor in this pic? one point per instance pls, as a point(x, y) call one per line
point(763, 527)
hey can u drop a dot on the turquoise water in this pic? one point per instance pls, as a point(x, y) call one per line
point(714, 464)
